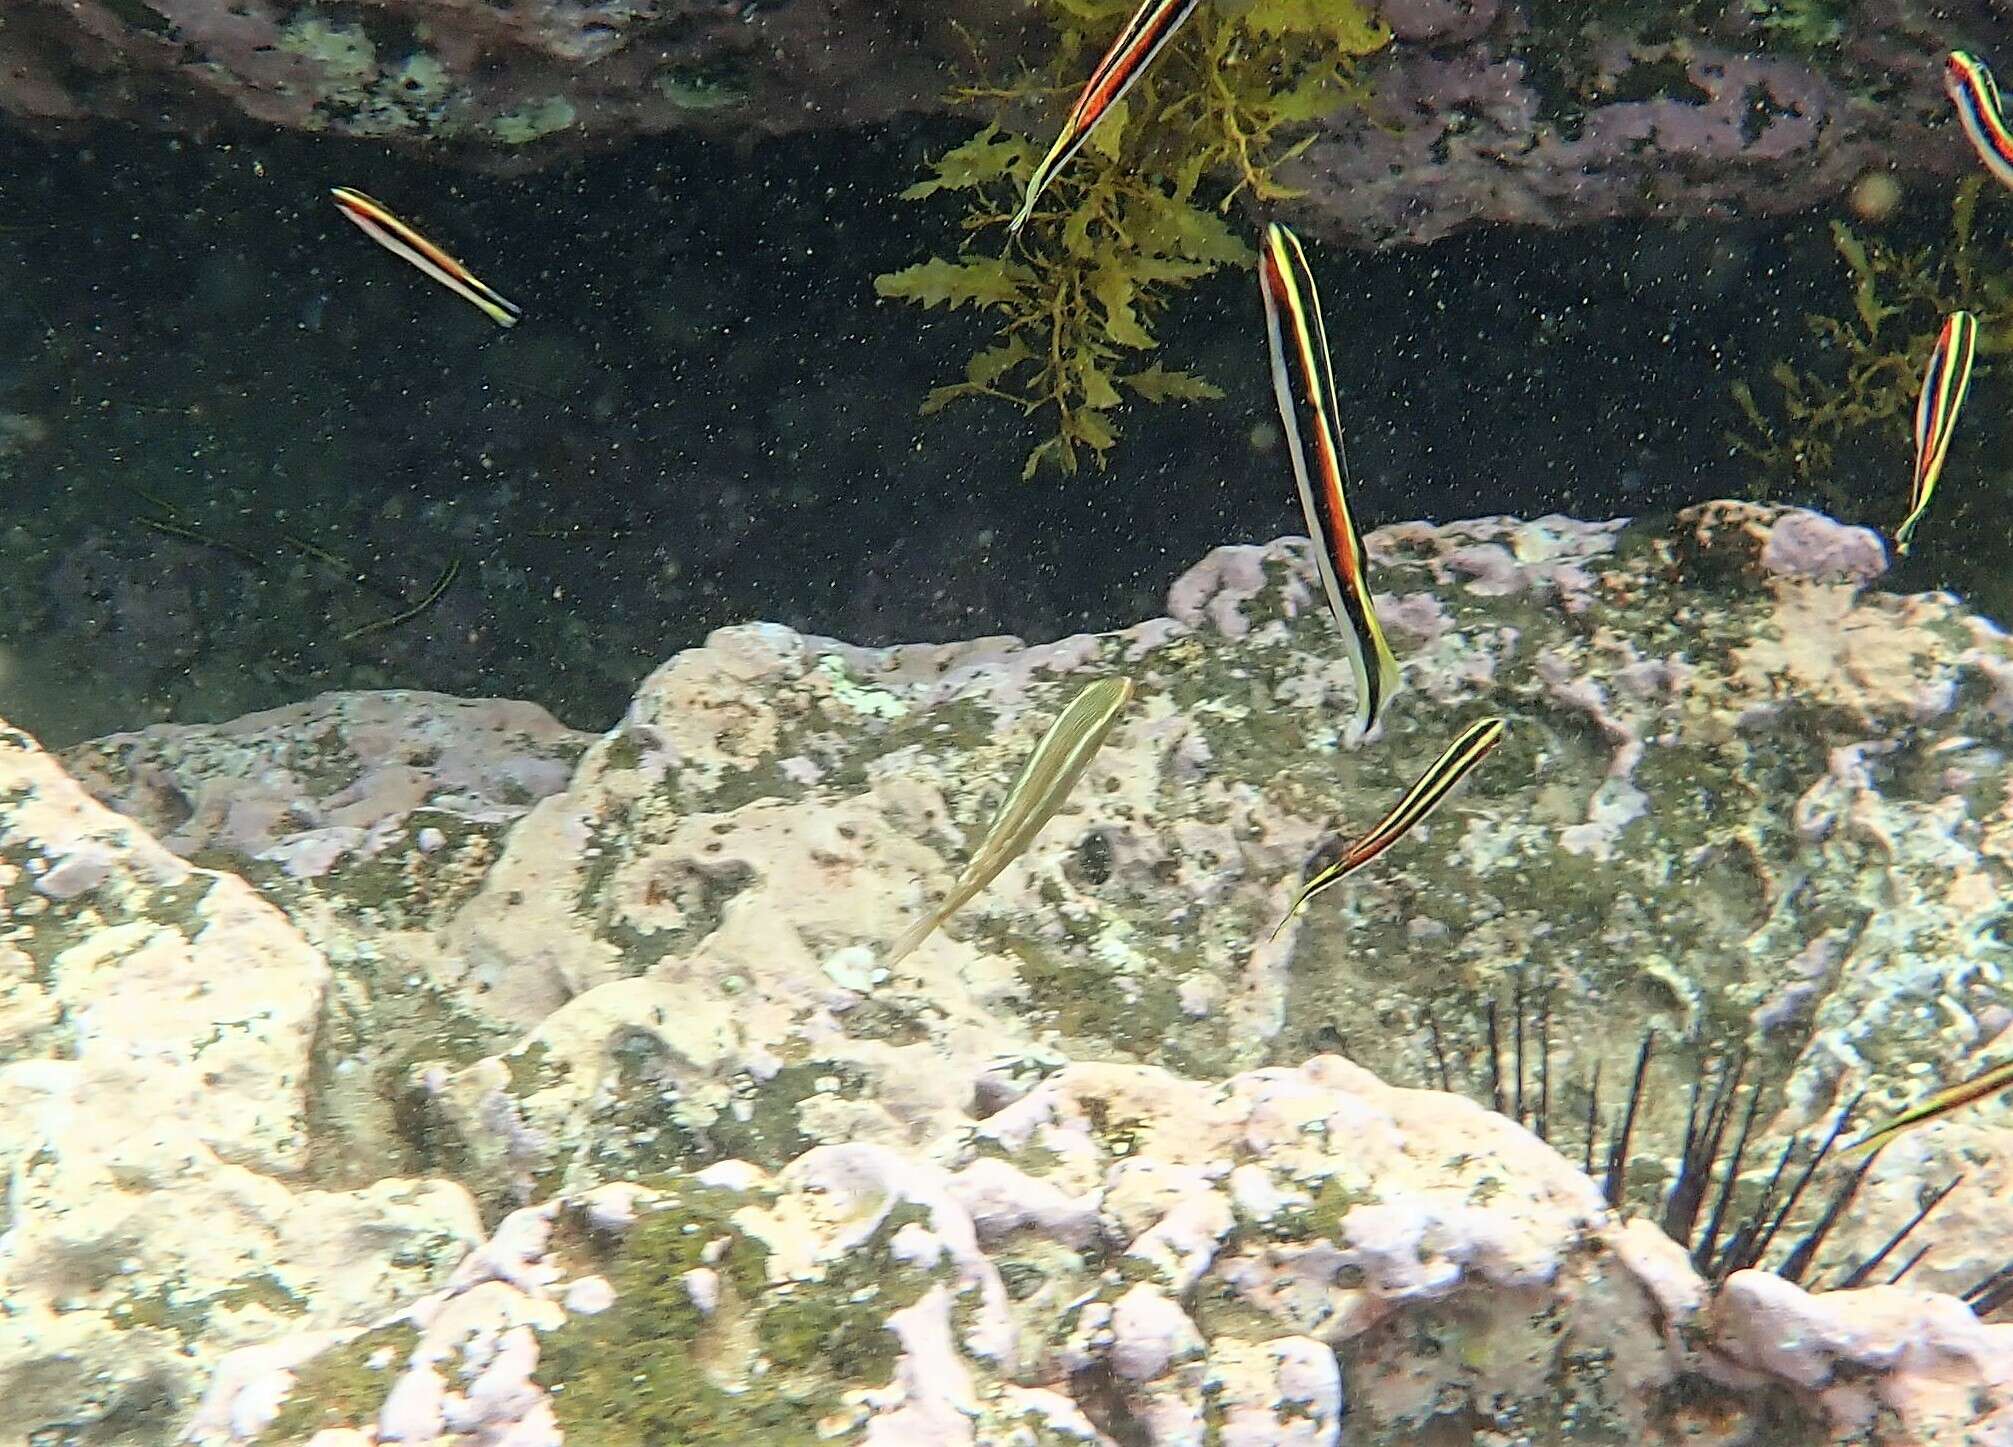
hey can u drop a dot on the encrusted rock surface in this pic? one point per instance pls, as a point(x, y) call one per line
point(305, 785)
point(1748, 799)
point(489, 77)
point(1483, 111)
point(157, 1033)
point(1541, 115)
point(1297, 1256)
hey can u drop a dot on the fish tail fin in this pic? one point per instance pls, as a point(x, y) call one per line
point(915, 934)
point(1037, 182)
point(1389, 676)
point(499, 308)
point(1298, 900)
point(1871, 1144)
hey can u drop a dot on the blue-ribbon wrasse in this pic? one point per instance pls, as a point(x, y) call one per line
point(401, 240)
point(1152, 25)
point(1976, 95)
point(1303, 381)
point(1944, 384)
point(1425, 795)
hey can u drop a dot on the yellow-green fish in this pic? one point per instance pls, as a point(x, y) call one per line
point(1420, 800)
point(1943, 388)
point(1931, 1107)
point(1045, 780)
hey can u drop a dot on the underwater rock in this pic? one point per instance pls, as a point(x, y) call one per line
point(157, 1025)
point(1939, 1375)
point(1275, 1255)
point(677, 952)
point(497, 79)
point(344, 773)
point(1481, 112)
point(1747, 800)
point(1450, 139)
point(1546, 115)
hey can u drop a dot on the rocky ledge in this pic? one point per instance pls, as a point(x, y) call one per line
point(1481, 111)
point(400, 1068)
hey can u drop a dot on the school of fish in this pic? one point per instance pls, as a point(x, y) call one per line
point(1304, 387)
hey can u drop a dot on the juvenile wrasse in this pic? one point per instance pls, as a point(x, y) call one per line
point(1933, 1107)
point(1045, 780)
point(1304, 382)
point(401, 240)
point(1152, 25)
point(1968, 80)
point(1943, 388)
point(406, 615)
point(174, 527)
point(1420, 800)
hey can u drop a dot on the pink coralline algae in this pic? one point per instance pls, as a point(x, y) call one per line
point(1465, 126)
point(1810, 545)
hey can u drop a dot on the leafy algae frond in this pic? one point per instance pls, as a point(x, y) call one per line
point(1137, 216)
point(1869, 363)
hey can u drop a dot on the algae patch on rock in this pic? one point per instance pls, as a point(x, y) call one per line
point(345, 1384)
point(761, 1361)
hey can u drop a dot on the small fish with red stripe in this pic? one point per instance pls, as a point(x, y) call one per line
point(1943, 387)
point(401, 240)
point(1426, 795)
point(1152, 25)
point(1976, 96)
point(1303, 381)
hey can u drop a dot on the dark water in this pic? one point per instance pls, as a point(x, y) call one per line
point(708, 417)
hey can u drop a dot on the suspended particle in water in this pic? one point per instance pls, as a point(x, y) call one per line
point(1875, 196)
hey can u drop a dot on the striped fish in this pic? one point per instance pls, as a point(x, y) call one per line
point(1420, 800)
point(1943, 388)
point(401, 240)
point(1051, 771)
point(1304, 382)
point(1976, 96)
point(1152, 25)
point(1980, 1086)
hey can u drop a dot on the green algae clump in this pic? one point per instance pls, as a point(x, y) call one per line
point(767, 1364)
point(635, 1374)
point(344, 1385)
point(1137, 216)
